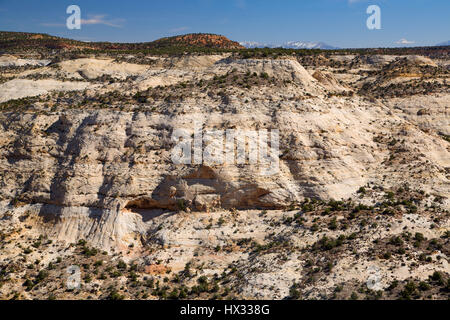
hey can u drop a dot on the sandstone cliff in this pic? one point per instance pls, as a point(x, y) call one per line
point(86, 170)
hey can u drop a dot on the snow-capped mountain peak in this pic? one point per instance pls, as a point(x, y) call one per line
point(447, 43)
point(306, 45)
point(288, 45)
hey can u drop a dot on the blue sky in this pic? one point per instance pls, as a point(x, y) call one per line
point(339, 23)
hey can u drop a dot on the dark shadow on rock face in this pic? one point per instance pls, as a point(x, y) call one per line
point(21, 147)
point(162, 198)
point(54, 214)
point(66, 164)
point(297, 171)
point(175, 194)
point(201, 190)
point(148, 214)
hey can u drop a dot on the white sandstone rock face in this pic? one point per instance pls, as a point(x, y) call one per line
point(87, 167)
point(21, 88)
point(286, 69)
point(423, 61)
point(94, 68)
point(103, 174)
point(12, 61)
point(429, 113)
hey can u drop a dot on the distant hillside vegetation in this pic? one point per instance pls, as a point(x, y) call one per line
point(21, 41)
point(198, 40)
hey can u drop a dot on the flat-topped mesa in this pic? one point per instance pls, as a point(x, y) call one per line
point(198, 40)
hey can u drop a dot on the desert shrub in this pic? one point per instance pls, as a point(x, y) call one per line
point(361, 190)
point(121, 265)
point(438, 277)
point(409, 290)
point(423, 286)
point(41, 275)
point(294, 292)
point(397, 241)
point(114, 295)
point(333, 224)
point(419, 237)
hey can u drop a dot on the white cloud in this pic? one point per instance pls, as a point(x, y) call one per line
point(180, 29)
point(100, 19)
point(92, 20)
point(404, 41)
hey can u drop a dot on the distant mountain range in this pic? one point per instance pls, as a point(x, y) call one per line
point(288, 45)
point(302, 45)
point(447, 43)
